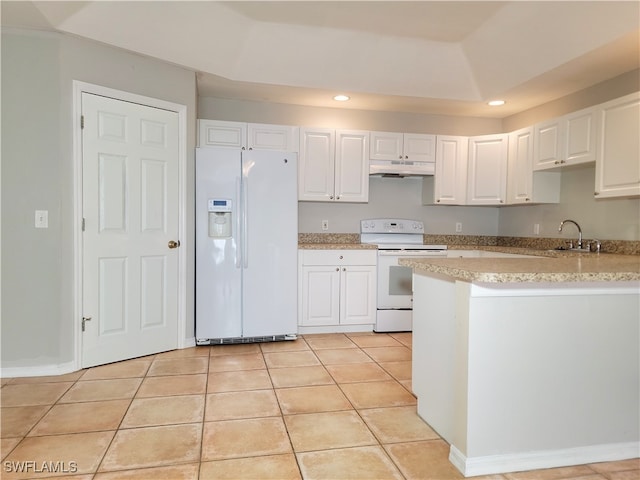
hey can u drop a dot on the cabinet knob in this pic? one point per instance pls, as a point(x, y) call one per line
point(556, 162)
point(400, 157)
point(330, 197)
point(338, 197)
point(344, 269)
point(526, 199)
point(596, 193)
point(341, 257)
point(406, 157)
point(337, 269)
point(438, 201)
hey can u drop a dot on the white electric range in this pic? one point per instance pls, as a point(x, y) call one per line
point(396, 238)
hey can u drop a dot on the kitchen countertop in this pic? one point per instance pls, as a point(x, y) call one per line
point(554, 266)
point(336, 246)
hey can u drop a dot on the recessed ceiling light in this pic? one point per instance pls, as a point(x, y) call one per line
point(341, 98)
point(496, 103)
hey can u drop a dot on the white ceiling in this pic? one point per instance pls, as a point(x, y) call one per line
point(446, 57)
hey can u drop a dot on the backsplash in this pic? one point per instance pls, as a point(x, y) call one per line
point(622, 247)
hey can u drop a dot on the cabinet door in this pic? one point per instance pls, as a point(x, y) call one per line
point(487, 175)
point(581, 136)
point(216, 133)
point(358, 295)
point(273, 137)
point(548, 149)
point(520, 166)
point(618, 162)
point(386, 146)
point(450, 179)
point(320, 295)
point(352, 166)
point(316, 165)
point(419, 148)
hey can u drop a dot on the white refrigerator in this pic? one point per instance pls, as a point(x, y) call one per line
point(246, 245)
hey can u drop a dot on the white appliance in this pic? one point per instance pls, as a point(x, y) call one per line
point(246, 245)
point(396, 238)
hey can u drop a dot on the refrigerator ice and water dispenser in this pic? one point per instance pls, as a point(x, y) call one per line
point(220, 210)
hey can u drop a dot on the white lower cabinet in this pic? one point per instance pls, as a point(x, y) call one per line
point(337, 290)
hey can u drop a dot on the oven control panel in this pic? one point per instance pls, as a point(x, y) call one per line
point(391, 225)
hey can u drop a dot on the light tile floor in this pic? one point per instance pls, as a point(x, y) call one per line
point(321, 407)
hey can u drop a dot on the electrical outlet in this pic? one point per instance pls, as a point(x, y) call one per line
point(458, 227)
point(325, 224)
point(536, 229)
point(42, 219)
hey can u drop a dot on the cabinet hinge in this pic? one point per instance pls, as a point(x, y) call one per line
point(83, 223)
point(82, 122)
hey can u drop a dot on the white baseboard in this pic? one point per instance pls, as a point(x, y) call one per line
point(518, 462)
point(38, 370)
point(308, 330)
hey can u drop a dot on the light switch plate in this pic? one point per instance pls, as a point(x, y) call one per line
point(42, 218)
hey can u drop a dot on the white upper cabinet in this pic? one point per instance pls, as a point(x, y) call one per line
point(333, 165)
point(548, 146)
point(565, 141)
point(487, 170)
point(387, 146)
point(618, 160)
point(524, 185)
point(450, 179)
point(520, 166)
point(316, 164)
point(217, 133)
point(262, 136)
point(580, 143)
point(409, 153)
point(251, 136)
point(352, 166)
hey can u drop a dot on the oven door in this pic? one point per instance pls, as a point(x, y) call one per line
point(395, 289)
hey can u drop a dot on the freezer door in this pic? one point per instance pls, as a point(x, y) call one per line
point(218, 262)
point(270, 190)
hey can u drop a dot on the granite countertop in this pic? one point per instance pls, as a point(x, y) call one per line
point(336, 246)
point(553, 267)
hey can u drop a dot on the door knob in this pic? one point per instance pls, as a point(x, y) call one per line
point(174, 243)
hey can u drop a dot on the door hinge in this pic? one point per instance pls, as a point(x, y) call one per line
point(81, 122)
point(85, 320)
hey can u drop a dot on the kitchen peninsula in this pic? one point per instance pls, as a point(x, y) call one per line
point(529, 363)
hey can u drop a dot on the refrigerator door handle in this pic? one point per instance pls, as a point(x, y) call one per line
point(245, 216)
point(238, 214)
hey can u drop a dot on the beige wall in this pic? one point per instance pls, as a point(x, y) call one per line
point(261, 112)
point(37, 173)
point(600, 93)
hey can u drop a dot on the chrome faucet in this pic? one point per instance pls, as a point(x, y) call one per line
point(577, 226)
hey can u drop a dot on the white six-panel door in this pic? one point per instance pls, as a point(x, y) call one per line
point(130, 160)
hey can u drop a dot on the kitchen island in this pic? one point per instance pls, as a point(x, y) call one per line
point(528, 363)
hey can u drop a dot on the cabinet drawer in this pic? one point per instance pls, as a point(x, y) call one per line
point(338, 257)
